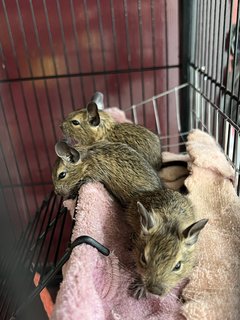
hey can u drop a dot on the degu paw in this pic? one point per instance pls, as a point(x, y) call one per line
point(137, 289)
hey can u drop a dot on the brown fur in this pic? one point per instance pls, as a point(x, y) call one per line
point(121, 169)
point(139, 138)
point(164, 244)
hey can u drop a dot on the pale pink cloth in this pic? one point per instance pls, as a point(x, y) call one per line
point(117, 114)
point(214, 290)
point(95, 286)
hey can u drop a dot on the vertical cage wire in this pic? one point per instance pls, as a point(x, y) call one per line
point(214, 68)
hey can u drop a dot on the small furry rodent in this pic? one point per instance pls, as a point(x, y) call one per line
point(121, 169)
point(165, 234)
point(91, 125)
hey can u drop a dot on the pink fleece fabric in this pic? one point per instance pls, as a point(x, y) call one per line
point(95, 286)
point(213, 292)
point(117, 114)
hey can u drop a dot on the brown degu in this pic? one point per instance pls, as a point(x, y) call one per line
point(121, 169)
point(90, 125)
point(165, 234)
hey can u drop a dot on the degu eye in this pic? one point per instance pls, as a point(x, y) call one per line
point(75, 122)
point(143, 260)
point(62, 175)
point(177, 266)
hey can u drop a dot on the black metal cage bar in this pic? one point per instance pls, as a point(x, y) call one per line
point(213, 64)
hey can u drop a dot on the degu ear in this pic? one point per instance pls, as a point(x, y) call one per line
point(146, 220)
point(93, 115)
point(191, 233)
point(98, 99)
point(66, 152)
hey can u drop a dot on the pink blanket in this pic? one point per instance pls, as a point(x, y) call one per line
point(95, 286)
point(213, 292)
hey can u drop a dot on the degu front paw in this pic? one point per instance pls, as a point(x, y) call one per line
point(137, 289)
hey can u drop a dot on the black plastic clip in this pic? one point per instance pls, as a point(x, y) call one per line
point(92, 242)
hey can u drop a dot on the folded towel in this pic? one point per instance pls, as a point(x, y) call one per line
point(95, 286)
point(214, 289)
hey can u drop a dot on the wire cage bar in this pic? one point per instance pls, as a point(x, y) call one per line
point(213, 66)
point(32, 256)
